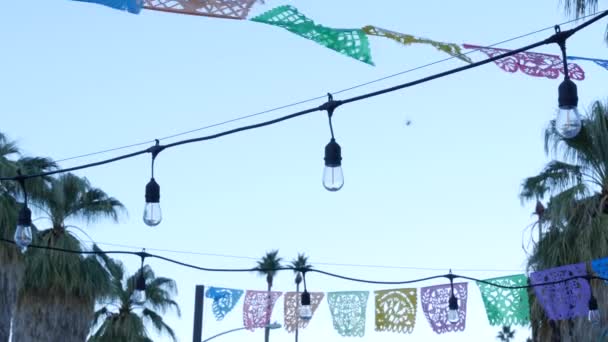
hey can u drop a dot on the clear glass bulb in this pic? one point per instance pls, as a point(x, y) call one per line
point(23, 237)
point(568, 122)
point(333, 179)
point(152, 214)
point(453, 316)
point(594, 316)
point(305, 312)
point(138, 296)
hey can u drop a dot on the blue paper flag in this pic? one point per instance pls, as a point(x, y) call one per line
point(133, 6)
point(224, 300)
point(601, 62)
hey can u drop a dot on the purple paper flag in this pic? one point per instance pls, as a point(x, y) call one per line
point(434, 301)
point(563, 300)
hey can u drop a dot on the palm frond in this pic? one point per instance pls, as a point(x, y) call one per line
point(269, 263)
point(579, 8)
point(555, 177)
point(159, 324)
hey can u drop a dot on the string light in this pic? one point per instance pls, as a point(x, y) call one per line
point(23, 231)
point(140, 281)
point(152, 212)
point(333, 178)
point(330, 274)
point(594, 312)
point(568, 121)
point(305, 311)
point(453, 316)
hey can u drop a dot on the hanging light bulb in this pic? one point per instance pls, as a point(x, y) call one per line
point(152, 212)
point(568, 121)
point(23, 233)
point(139, 293)
point(453, 309)
point(333, 179)
point(594, 312)
point(305, 312)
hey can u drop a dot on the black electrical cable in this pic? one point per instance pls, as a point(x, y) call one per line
point(556, 38)
point(144, 255)
point(243, 117)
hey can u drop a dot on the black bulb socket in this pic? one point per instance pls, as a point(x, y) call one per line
point(333, 154)
point(593, 304)
point(453, 303)
point(152, 192)
point(140, 283)
point(568, 94)
point(25, 217)
point(305, 298)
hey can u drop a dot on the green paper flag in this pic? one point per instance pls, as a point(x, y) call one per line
point(506, 306)
point(351, 42)
point(406, 39)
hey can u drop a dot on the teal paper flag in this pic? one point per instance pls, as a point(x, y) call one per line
point(506, 306)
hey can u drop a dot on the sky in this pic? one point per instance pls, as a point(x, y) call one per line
point(438, 194)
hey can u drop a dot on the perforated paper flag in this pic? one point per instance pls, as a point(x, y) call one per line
point(406, 39)
point(506, 306)
point(351, 42)
point(224, 300)
point(132, 6)
point(229, 9)
point(257, 308)
point(601, 62)
point(563, 300)
point(396, 310)
point(348, 311)
point(434, 301)
point(292, 306)
point(532, 63)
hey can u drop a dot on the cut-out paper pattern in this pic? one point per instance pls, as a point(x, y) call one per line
point(406, 39)
point(532, 63)
point(563, 300)
point(506, 306)
point(396, 310)
point(434, 301)
point(351, 42)
point(601, 62)
point(600, 267)
point(348, 311)
point(224, 300)
point(227, 9)
point(132, 6)
point(257, 308)
point(292, 305)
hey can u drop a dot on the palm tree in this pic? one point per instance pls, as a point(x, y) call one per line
point(299, 264)
point(575, 220)
point(123, 317)
point(268, 266)
point(11, 260)
point(579, 8)
point(506, 334)
point(56, 302)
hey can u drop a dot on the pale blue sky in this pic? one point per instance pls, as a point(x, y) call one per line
point(441, 193)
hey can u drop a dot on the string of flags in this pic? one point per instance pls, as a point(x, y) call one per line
point(353, 43)
point(396, 309)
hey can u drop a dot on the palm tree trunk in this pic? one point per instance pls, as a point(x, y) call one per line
point(48, 318)
point(297, 313)
point(11, 275)
point(269, 304)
